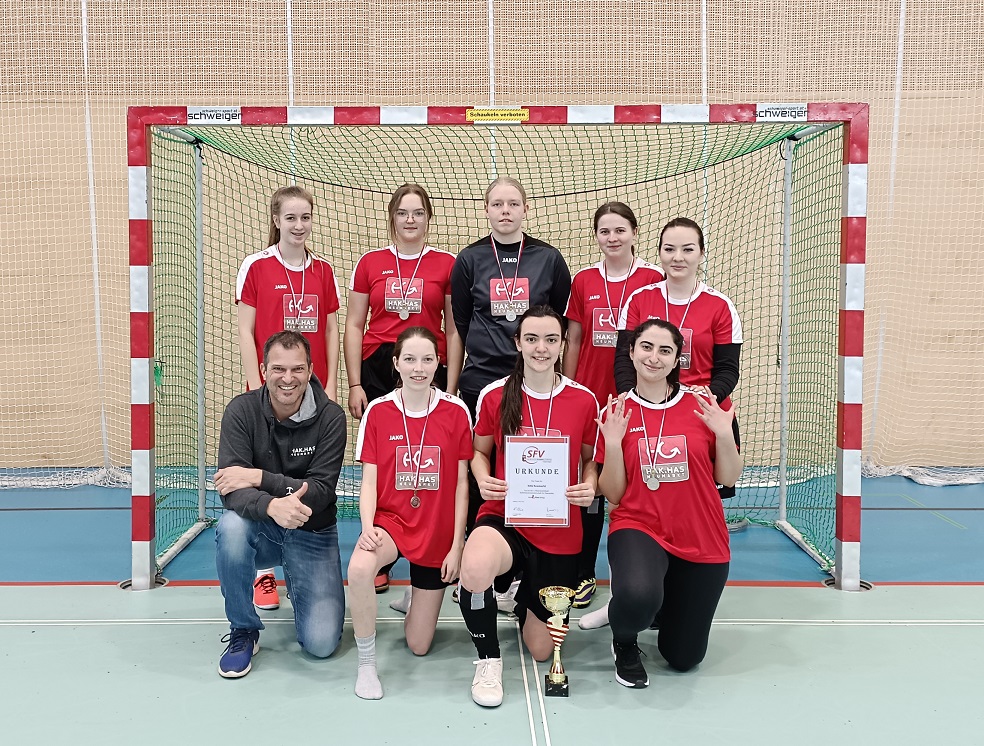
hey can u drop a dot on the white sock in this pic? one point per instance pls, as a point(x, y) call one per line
point(402, 604)
point(367, 684)
point(594, 619)
point(268, 571)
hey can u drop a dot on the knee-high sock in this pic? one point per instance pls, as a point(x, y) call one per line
point(479, 611)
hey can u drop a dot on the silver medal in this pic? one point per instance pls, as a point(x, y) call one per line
point(415, 501)
point(510, 315)
point(652, 483)
point(404, 315)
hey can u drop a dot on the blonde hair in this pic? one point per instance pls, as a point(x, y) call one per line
point(277, 201)
point(509, 181)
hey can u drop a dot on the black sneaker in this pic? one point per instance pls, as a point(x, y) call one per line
point(629, 670)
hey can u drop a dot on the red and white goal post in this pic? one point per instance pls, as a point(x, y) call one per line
point(802, 362)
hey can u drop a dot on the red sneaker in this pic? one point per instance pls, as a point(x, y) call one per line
point(265, 594)
point(382, 582)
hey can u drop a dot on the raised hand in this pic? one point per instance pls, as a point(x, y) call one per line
point(718, 420)
point(615, 420)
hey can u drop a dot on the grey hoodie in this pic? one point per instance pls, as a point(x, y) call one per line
point(307, 447)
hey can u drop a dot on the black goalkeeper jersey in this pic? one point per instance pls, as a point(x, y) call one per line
point(482, 298)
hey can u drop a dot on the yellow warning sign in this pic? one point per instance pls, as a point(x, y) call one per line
point(497, 116)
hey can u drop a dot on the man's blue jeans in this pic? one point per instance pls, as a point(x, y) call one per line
point(312, 569)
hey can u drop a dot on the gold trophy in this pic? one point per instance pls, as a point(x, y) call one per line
point(557, 600)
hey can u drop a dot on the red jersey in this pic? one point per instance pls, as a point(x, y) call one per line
point(684, 514)
point(423, 534)
point(596, 303)
point(289, 298)
point(418, 285)
point(571, 411)
point(707, 319)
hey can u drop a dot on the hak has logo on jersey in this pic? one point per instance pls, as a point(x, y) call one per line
point(665, 458)
point(604, 333)
point(407, 297)
point(301, 313)
point(506, 297)
point(409, 459)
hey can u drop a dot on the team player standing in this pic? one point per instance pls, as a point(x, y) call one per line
point(286, 287)
point(505, 295)
point(598, 295)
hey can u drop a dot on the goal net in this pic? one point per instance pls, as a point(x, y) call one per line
point(768, 195)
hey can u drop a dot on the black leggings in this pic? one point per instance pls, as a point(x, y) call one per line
point(474, 496)
point(649, 583)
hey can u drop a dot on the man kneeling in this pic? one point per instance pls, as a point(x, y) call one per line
point(280, 452)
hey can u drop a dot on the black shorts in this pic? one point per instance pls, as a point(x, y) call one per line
point(424, 578)
point(379, 377)
point(539, 569)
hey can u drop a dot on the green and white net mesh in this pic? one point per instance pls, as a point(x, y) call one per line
point(727, 177)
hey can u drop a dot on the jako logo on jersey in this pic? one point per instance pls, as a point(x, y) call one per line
point(508, 259)
point(635, 429)
point(387, 272)
point(594, 297)
point(279, 287)
point(301, 451)
point(396, 437)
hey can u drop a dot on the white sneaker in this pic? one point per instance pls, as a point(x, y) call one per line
point(594, 619)
point(507, 601)
point(487, 684)
point(402, 604)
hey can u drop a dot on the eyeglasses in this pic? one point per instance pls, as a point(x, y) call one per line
point(417, 214)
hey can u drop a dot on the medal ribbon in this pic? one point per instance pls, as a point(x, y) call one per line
point(423, 434)
point(399, 277)
point(621, 298)
point(293, 297)
point(653, 455)
point(529, 408)
point(519, 258)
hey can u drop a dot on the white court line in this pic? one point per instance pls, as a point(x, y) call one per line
point(543, 707)
point(526, 684)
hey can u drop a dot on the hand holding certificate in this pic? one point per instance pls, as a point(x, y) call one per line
point(537, 475)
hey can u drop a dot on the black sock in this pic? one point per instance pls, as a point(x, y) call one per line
point(481, 621)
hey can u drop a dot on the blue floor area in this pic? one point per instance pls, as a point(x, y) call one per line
point(910, 533)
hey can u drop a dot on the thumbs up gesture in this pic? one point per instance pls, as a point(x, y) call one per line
point(289, 511)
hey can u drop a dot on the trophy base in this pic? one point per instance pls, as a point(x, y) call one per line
point(555, 689)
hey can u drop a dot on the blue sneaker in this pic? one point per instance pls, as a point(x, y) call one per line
point(237, 658)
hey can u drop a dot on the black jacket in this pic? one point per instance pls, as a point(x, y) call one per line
point(288, 452)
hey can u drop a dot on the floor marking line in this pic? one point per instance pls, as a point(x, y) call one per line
point(543, 707)
point(933, 512)
point(526, 682)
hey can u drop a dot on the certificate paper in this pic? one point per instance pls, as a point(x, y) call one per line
point(537, 471)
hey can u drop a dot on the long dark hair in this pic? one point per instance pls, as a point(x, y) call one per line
point(511, 409)
point(673, 377)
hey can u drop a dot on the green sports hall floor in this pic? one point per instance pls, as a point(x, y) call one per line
point(790, 661)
